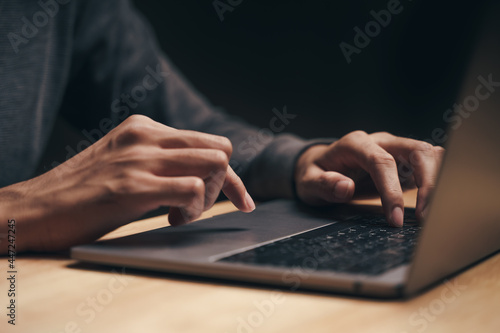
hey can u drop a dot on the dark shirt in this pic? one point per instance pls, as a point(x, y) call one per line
point(95, 63)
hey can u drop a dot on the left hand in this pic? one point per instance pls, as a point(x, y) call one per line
point(336, 173)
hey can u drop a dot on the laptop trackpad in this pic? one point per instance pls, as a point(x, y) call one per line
point(201, 240)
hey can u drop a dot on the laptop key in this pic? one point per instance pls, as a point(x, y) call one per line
point(364, 245)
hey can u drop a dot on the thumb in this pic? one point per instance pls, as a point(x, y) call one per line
point(329, 186)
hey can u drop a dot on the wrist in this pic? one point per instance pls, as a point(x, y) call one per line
point(14, 205)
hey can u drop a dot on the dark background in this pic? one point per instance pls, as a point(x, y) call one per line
point(267, 54)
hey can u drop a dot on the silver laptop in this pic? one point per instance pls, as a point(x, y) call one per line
point(351, 249)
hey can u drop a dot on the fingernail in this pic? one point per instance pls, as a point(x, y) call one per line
point(249, 202)
point(397, 217)
point(341, 190)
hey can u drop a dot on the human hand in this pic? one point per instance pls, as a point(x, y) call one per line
point(137, 167)
point(338, 172)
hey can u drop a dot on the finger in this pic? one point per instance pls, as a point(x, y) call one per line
point(235, 191)
point(439, 153)
point(382, 168)
point(168, 137)
point(208, 164)
point(233, 188)
point(186, 196)
point(178, 216)
point(192, 139)
point(202, 163)
point(423, 160)
point(213, 186)
point(138, 128)
point(321, 187)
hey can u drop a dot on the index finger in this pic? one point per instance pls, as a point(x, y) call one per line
point(424, 159)
point(383, 170)
point(235, 191)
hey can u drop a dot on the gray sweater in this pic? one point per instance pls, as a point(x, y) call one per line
point(95, 63)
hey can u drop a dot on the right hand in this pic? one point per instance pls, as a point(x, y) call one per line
point(137, 167)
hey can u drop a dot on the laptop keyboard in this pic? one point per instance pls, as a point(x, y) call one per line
point(365, 244)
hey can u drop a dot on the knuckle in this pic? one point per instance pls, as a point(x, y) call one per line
point(326, 187)
point(137, 119)
point(354, 138)
point(309, 179)
point(323, 181)
point(383, 135)
point(196, 187)
point(356, 135)
point(439, 150)
point(393, 194)
point(132, 133)
point(431, 186)
point(226, 145)
point(421, 152)
point(381, 158)
point(212, 187)
point(220, 159)
point(195, 192)
point(424, 147)
point(191, 214)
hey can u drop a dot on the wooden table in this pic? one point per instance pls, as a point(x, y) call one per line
point(55, 294)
